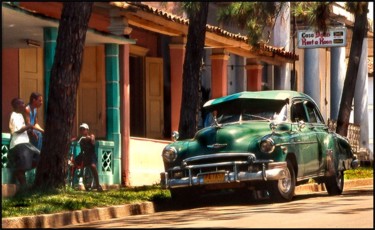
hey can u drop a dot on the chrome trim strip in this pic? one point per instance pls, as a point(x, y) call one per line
point(217, 146)
point(217, 155)
point(216, 164)
point(297, 142)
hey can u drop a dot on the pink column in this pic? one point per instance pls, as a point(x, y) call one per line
point(124, 112)
point(219, 75)
point(254, 77)
point(177, 54)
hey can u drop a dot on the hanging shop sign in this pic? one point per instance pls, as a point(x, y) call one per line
point(334, 37)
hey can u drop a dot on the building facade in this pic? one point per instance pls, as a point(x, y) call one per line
point(132, 102)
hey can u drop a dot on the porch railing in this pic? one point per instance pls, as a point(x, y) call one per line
point(107, 164)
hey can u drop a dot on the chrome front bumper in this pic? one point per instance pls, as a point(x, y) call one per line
point(275, 171)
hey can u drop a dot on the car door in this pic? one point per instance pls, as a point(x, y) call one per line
point(305, 140)
point(315, 127)
point(321, 130)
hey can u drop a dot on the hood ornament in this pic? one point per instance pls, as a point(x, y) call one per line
point(216, 146)
point(273, 126)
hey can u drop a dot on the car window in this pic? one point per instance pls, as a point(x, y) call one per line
point(298, 112)
point(313, 113)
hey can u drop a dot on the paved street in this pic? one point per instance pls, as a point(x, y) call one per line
point(353, 209)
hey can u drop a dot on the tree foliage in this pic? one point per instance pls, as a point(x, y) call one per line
point(315, 14)
point(254, 17)
point(65, 75)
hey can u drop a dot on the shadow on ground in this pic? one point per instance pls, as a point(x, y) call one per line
point(232, 199)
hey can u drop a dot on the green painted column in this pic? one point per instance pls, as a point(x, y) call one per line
point(49, 36)
point(112, 73)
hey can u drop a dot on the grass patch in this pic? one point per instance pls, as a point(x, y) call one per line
point(359, 173)
point(38, 202)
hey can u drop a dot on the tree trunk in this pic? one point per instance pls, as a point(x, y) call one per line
point(359, 33)
point(65, 75)
point(191, 76)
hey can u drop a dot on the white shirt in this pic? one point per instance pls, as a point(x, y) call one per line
point(15, 123)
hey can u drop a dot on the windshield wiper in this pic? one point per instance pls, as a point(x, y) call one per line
point(256, 116)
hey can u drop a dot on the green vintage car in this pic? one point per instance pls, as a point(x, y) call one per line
point(258, 141)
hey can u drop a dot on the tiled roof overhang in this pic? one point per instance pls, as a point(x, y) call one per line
point(215, 36)
point(30, 22)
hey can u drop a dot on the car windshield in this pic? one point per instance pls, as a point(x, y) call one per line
point(247, 110)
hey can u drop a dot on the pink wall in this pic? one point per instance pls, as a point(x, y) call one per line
point(219, 69)
point(177, 55)
point(9, 84)
point(254, 77)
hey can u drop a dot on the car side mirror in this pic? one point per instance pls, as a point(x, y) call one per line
point(175, 135)
point(332, 124)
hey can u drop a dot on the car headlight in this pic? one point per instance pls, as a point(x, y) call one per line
point(267, 145)
point(169, 154)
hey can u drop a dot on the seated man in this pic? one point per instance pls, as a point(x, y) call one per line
point(35, 135)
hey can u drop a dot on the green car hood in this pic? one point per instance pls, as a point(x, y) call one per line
point(236, 137)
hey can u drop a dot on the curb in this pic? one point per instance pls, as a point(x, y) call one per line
point(78, 217)
point(104, 213)
point(308, 188)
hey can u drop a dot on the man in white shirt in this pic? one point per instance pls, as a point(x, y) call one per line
point(22, 154)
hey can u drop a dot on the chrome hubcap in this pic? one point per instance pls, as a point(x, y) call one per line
point(285, 183)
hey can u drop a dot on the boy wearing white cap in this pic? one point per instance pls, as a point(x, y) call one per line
point(88, 155)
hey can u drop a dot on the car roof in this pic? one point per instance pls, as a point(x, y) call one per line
point(266, 95)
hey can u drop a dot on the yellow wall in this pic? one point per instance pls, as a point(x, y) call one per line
point(145, 161)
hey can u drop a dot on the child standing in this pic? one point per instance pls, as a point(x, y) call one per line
point(87, 155)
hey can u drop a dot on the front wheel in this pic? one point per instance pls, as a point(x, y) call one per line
point(283, 189)
point(335, 184)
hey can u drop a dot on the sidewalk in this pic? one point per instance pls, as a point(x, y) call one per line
point(83, 216)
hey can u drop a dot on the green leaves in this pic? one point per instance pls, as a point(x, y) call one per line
point(254, 17)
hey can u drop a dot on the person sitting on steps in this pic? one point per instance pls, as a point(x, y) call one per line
point(36, 134)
